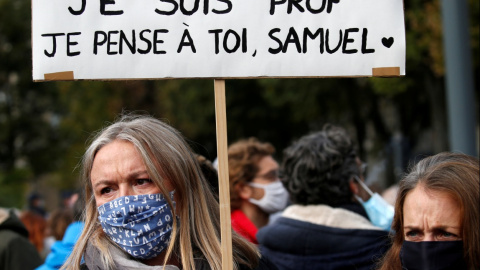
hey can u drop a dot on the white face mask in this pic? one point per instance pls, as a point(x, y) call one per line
point(378, 210)
point(274, 199)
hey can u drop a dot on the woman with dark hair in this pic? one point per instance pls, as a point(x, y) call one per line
point(437, 216)
point(325, 227)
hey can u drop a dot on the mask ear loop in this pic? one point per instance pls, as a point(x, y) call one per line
point(364, 186)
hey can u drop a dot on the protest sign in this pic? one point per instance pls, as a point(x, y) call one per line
point(153, 39)
point(162, 39)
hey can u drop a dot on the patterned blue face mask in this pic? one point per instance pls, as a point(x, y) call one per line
point(140, 224)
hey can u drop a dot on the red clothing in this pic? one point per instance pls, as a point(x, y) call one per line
point(243, 226)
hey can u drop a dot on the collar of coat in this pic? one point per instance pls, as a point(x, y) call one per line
point(328, 216)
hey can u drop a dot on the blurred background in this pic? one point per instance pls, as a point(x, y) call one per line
point(45, 127)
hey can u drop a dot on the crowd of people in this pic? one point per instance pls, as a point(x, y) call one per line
point(36, 239)
point(150, 202)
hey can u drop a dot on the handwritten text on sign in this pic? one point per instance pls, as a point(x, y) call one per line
point(138, 39)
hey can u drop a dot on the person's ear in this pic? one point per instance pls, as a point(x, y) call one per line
point(353, 187)
point(245, 191)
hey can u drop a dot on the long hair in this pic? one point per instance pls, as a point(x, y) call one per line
point(452, 173)
point(166, 156)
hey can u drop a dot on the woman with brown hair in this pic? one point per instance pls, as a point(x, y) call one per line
point(437, 216)
point(255, 188)
point(58, 222)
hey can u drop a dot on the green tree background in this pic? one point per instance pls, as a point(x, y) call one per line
point(44, 127)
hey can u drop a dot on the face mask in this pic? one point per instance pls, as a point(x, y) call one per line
point(274, 199)
point(140, 224)
point(378, 210)
point(436, 255)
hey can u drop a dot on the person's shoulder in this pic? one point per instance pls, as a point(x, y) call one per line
point(14, 248)
point(12, 239)
point(263, 264)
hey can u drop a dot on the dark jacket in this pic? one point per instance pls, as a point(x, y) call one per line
point(264, 264)
point(16, 251)
point(301, 245)
point(124, 262)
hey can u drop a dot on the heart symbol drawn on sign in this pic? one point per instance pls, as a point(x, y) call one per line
point(387, 42)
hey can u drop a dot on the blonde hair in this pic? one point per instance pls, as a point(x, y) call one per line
point(455, 174)
point(166, 156)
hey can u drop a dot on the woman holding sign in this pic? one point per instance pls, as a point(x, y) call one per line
point(148, 204)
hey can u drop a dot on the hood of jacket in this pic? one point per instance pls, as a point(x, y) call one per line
point(10, 221)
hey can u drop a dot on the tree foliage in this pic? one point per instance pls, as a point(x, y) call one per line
point(44, 127)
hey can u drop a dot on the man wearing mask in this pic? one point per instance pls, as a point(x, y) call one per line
point(332, 222)
point(255, 188)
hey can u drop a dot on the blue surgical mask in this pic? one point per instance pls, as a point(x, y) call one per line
point(139, 224)
point(378, 210)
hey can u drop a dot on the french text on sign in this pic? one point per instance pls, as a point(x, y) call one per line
point(216, 38)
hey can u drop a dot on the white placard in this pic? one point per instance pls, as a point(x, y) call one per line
point(148, 39)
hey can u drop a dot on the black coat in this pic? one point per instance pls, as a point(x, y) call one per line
point(297, 245)
point(16, 251)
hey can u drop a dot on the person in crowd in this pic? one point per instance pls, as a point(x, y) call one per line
point(57, 224)
point(148, 204)
point(36, 226)
point(61, 249)
point(437, 216)
point(36, 204)
point(16, 251)
point(255, 188)
point(69, 198)
point(325, 227)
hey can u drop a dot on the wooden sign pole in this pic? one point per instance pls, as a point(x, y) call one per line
point(223, 182)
